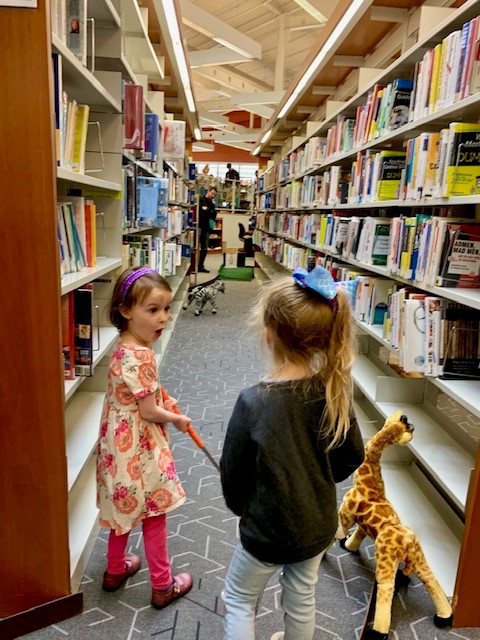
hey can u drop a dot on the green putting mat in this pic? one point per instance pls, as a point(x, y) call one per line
point(235, 273)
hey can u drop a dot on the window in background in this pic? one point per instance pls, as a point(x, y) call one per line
point(219, 169)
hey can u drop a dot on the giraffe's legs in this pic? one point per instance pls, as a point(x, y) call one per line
point(421, 568)
point(354, 541)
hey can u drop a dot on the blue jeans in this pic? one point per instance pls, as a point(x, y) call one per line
point(244, 585)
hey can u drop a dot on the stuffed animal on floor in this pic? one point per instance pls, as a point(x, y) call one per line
point(366, 505)
point(203, 294)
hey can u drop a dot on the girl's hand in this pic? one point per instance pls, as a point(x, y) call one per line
point(170, 403)
point(181, 423)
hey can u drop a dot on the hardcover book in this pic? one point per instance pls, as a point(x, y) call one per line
point(460, 265)
point(83, 314)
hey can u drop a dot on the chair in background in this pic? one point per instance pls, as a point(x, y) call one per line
point(247, 238)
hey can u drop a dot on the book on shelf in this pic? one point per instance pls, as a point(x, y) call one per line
point(391, 166)
point(397, 111)
point(151, 137)
point(80, 131)
point(133, 116)
point(432, 307)
point(460, 261)
point(460, 358)
point(379, 301)
point(174, 138)
point(68, 334)
point(152, 202)
point(413, 342)
point(57, 103)
point(461, 169)
point(76, 28)
point(83, 315)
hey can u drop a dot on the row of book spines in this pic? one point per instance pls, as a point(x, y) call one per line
point(152, 252)
point(427, 249)
point(77, 332)
point(418, 327)
point(77, 235)
point(449, 72)
point(71, 124)
point(434, 165)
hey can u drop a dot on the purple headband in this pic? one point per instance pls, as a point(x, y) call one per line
point(129, 280)
point(321, 281)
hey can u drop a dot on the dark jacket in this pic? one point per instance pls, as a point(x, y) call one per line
point(207, 212)
point(277, 476)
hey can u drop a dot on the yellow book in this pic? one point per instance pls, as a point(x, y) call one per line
point(432, 99)
point(323, 230)
point(440, 99)
point(80, 138)
point(463, 160)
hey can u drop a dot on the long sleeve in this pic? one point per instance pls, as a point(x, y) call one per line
point(349, 455)
point(238, 459)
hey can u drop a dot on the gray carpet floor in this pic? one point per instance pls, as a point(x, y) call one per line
point(208, 361)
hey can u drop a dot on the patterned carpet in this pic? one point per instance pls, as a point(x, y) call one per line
point(209, 359)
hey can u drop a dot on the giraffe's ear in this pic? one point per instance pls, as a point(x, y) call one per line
point(395, 417)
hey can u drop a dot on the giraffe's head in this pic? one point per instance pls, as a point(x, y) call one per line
point(396, 430)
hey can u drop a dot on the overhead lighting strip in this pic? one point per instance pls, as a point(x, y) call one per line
point(172, 22)
point(356, 7)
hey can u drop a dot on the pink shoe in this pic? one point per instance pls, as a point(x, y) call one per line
point(181, 586)
point(113, 581)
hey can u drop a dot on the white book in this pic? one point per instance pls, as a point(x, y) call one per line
point(453, 65)
point(413, 343)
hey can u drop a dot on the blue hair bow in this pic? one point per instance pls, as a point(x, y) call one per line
point(321, 281)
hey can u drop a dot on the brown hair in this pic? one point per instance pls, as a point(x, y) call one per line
point(135, 294)
point(304, 329)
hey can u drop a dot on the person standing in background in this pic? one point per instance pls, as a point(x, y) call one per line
point(232, 174)
point(206, 220)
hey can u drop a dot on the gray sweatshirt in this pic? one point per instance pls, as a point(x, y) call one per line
point(278, 477)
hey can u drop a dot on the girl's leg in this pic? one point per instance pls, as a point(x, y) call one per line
point(244, 584)
point(155, 541)
point(116, 557)
point(298, 597)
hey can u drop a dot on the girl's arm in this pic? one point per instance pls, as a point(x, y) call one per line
point(151, 412)
point(238, 462)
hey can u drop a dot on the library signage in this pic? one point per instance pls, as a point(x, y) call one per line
point(30, 4)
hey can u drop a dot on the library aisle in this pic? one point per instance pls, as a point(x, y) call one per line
point(209, 359)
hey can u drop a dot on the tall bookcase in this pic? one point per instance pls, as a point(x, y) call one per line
point(48, 425)
point(435, 484)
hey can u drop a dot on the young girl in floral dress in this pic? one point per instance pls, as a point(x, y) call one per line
point(136, 476)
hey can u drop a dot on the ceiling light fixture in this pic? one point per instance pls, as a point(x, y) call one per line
point(172, 22)
point(266, 136)
point(198, 134)
point(357, 6)
point(256, 150)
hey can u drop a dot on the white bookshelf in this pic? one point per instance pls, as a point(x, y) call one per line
point(428, 481)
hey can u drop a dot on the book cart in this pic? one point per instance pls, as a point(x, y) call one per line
point(49, 425)
point(434, 484)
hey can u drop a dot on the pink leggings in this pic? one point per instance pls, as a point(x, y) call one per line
point(155, 541)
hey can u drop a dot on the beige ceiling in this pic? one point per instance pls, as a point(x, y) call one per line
point(245, 56)
point(274, 37)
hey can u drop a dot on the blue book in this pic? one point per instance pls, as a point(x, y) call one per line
point(151, 137)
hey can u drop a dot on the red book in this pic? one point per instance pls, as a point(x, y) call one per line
point(134, 116)
point(68, 335)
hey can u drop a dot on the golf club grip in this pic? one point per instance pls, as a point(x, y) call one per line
point(195, 437)
point(190, 430)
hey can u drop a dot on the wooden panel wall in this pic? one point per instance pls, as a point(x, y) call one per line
point(33, 486)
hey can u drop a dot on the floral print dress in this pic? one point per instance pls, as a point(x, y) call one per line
point(136, 476)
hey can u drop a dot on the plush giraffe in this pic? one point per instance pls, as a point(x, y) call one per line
point(367, 505)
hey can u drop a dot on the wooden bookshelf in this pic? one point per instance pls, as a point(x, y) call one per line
point(50, 425)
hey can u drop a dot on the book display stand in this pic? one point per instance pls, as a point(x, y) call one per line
point(50, 423)
point(434, 484)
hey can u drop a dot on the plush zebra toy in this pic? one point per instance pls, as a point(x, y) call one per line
point(203, 294)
